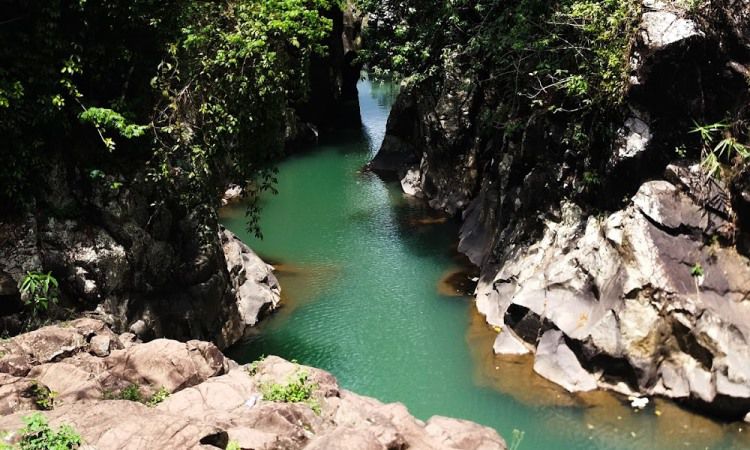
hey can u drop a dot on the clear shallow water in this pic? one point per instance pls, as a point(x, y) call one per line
point(360, 266)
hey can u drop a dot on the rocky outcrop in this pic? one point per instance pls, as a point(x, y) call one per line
point(254, 287)
point(138, 266)
point(644, 296)
point(213, 400)
point(633, 278)
point(139, 258)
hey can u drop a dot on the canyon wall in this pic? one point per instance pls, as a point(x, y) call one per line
point(633, 275)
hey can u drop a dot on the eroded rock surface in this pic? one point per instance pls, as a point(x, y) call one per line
point(634, 277)
point(645, 296)
point(213, 400)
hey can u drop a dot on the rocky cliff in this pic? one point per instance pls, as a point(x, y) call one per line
point(625, 268)
point(130, 253)
point(78, 373)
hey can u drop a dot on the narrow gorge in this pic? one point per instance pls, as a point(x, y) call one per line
point(220, 220)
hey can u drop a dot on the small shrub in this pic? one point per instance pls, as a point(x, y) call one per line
point(133, 393)
point(727, 148)
point(158, 397)
point(697, 270)
point(38, 435)
point(297, 390)
point(43, 396)
point(233, 445)
point(38, 290)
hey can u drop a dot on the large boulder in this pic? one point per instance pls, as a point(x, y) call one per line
point(124, 425)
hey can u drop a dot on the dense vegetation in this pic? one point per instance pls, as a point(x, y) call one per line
point(565, 56)
point(563, 63)
point(176, 94)
point(562, 66)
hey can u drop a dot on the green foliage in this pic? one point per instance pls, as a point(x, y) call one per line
point(195, 95)
point(565, 55)
point(38, 290)
point(133, 393)
point(226, 83)
point(559, 65)
point(43, 397)
point(719, 143)
point(297, 390)
point(38, 435)
point(697, 271)
point(158, 397)
point(106, 119)
point(233, 445)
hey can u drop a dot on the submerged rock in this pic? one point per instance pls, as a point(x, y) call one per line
point(213, 401)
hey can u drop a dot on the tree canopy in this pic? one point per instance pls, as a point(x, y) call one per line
point(179, 92)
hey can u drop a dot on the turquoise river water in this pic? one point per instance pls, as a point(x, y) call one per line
point(361, 267)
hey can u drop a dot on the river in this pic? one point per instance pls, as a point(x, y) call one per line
point(360, 268)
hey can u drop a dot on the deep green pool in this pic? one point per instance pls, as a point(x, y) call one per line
point(359, 267)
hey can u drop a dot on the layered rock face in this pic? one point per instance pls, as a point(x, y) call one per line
point(636, 281)
point(212, 400)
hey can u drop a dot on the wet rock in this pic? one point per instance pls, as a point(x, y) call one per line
point(411, 183)
point(232, 194)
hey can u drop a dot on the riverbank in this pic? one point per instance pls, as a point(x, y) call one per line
point(119, 393)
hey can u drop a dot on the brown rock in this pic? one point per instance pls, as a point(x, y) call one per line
point(124, 425)
point(343, 438)
point(164, 363)
point(16, 394)
point(463, 435)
